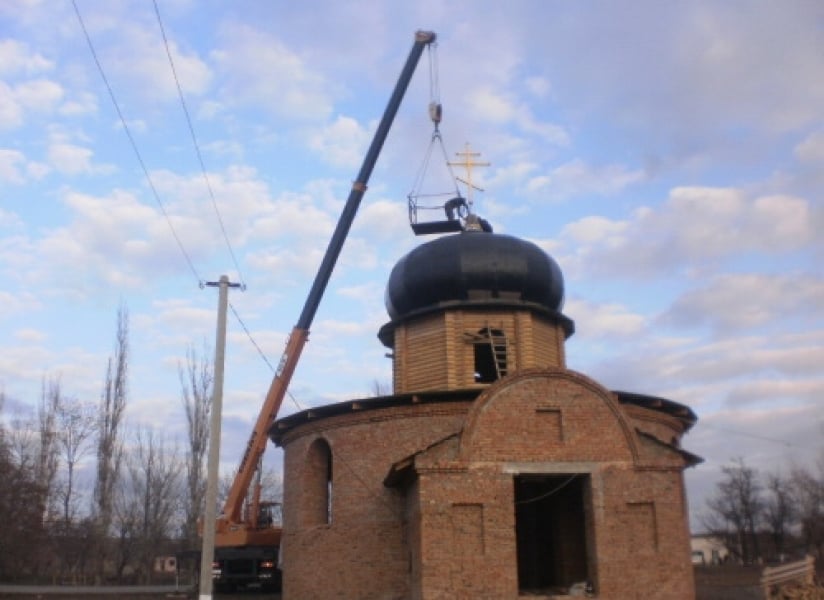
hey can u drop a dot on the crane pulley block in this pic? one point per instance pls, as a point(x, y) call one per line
point(435, 113)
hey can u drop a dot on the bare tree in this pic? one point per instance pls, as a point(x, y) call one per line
point(32, 442)
point(380, 388)
point(109, 442)
point(126, 527)
point(778, 511)
point(22, 441)
point(271, 489)
point(735, 510)
point(154, 472)
point(75, 425)
point(808, 493)
point(196, 387)
point(21, 504)
point(47, 452)
point(271, 483)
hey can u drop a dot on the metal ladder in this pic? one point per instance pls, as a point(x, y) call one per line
point(498, 345)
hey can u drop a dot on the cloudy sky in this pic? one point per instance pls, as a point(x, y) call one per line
point(670, 156)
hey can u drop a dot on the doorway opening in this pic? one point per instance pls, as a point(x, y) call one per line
point(551, 531)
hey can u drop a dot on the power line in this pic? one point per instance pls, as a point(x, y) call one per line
point(260, 352)
point(196, 145)
point(211, 194)
point(211, 191)
point(763, 438)
point(134, 145)
point(149, 179)
point(251, 339)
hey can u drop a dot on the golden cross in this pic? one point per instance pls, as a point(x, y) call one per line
point(467, 163)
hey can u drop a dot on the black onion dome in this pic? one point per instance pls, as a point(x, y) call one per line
point(474, 268)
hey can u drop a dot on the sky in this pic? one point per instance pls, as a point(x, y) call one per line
point(668, 155)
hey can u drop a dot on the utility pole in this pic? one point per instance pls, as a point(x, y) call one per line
point(208, 550)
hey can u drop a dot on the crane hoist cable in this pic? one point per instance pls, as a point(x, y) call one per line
point(456, 207)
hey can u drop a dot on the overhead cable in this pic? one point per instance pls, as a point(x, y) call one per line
point(134, 145)
point(197, 146)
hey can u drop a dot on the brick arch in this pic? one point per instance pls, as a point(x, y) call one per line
point(547, 415)
point(316, 483)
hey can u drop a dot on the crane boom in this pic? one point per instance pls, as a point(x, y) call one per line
point(256, 445)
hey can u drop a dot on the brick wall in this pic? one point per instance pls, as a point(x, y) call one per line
point(447, 526)
point(364, 551)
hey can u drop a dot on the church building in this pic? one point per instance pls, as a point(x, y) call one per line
point(493, 471)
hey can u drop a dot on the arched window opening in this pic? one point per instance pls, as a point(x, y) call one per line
point(317, 500)
point(490, 355)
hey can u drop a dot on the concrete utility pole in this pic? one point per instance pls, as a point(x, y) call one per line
point(210, 516)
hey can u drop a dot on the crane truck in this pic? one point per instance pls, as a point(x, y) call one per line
point(247, 542)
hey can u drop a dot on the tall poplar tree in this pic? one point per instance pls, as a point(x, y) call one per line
point(109, 434)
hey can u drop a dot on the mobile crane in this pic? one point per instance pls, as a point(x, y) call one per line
point(246, 545)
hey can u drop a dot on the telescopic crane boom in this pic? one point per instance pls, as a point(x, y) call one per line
point(231, 528)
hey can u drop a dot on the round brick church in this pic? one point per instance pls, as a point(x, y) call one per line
point(492, 471)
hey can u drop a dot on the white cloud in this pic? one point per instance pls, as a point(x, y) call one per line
point(695, 226)
point(111, 239)
point(291, 215)
point(596, 229)
point(576, 178)
point(176, 314)
point(599, 321)
point(685, 75)
point(12, 304)
point(537, 86)
point(17, 100)
point(11, 113)
point(39, 94)
point(342, 143)
point(30, 335)
point(16, 57)
point(811, 149)
point(511, 174)
point(257, 69)
point(359, 254)
point(23, 365)
point(250, 213)
point(135, 60)
point(83, 103)
point(70, 159)
point(709, 373)
point(772, 392)
point(283, 263)
point(382, 221)
point(731, 302)
point(9, 220)
point(10, 163)
point(151, 69)
point(490, 106)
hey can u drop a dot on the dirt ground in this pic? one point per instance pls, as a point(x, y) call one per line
point(728, 582)
point(712, 583)
point(148, 593)
point(147, 596)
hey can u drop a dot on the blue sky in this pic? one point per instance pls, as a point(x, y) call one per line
point(669, 156)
